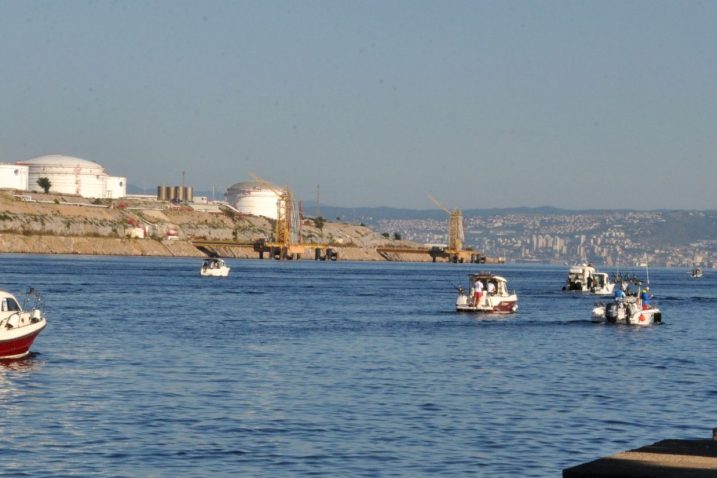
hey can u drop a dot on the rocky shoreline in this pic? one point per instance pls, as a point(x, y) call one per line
point(60, 224)
point(105, 246)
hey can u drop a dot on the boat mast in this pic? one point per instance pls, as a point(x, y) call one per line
point(617, 274)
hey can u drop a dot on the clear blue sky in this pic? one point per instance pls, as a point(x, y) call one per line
point(603, 104)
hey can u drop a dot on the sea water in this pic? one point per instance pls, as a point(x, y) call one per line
point(341, 369)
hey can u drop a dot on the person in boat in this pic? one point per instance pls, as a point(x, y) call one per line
point(619, 293)
point(477, 291)
point(645, 298)
point(491, 288)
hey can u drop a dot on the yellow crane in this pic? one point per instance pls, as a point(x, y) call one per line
point(454, 250)
point(287, 225)
point(455, 227)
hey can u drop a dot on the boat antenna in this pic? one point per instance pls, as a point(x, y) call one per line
point(647, 271)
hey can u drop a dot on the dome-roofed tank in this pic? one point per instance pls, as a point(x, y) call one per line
point(63, 162)
point(71, 175)
point(254, 197)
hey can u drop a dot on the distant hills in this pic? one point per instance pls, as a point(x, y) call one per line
point(375, 213)
point(675, 227)
point(352, 214)
point(682, 228)
point(660, 228)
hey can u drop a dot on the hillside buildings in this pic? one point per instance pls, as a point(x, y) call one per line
point(619, 238)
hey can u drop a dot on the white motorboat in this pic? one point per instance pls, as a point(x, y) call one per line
point(494, 298)
point(626, 311)
point(214, 267)
point(635, 308)
point(696, 272)
point(585, 278)
point(19, 326)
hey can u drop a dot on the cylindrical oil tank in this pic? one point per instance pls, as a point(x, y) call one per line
point(177, 193)
point(189, 194)
point(161, 195)
point(255, 198)
point(70, 175)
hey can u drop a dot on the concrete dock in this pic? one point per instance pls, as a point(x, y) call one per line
point(664, 459)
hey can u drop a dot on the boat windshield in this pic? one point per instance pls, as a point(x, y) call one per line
point(10, 305)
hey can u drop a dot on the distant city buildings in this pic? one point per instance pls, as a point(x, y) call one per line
point(610, 239)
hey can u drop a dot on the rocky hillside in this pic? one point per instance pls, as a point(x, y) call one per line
point(60, 224)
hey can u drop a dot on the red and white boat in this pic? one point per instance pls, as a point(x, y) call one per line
point(19, 326)
point(494, 298)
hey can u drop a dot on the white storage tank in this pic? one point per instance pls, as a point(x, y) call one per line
point(116, 187)
point(255, 198)
point(70, 175)
point(14, 176)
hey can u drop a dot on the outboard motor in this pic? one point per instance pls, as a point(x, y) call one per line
point(611, 312)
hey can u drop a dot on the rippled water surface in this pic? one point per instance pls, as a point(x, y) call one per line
point(340, 369)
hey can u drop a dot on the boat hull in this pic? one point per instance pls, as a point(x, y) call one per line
point(221, 272)
point(607, 289)
point(490, 306)
point(15, 343)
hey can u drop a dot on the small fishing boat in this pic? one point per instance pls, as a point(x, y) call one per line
point(214, 267)
point(19, 326)
point(632, 308)
point(488, 293)
point(696, 272)
point(585, 278)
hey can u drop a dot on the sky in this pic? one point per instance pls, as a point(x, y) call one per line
point(481, 104)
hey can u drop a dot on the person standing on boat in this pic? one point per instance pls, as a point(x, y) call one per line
point(477, 291)
point(619, 293)
point(645, 298)
point(491, 288)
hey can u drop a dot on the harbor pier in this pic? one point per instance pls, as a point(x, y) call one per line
point(663, 459)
